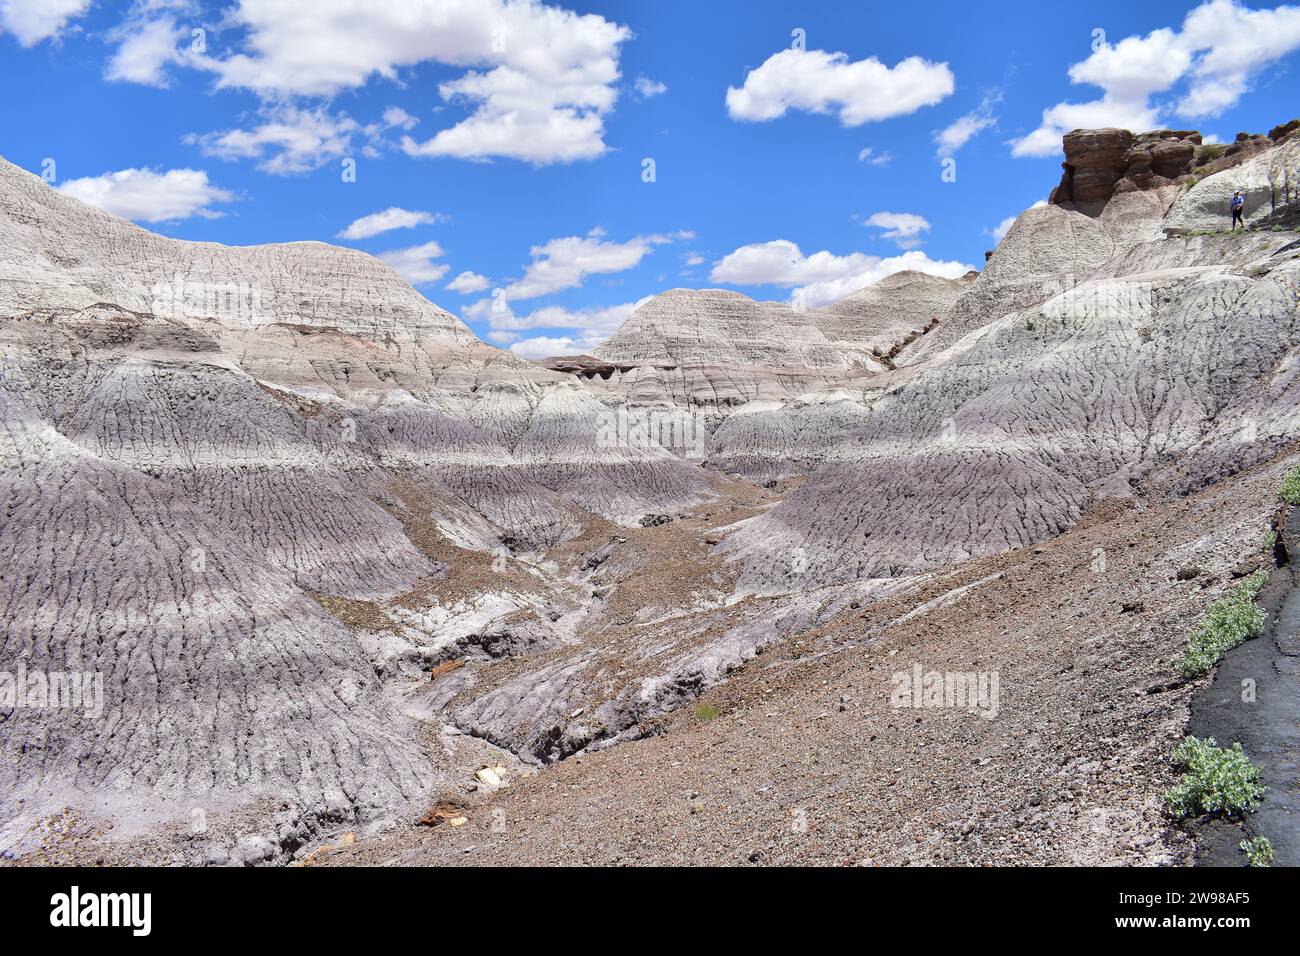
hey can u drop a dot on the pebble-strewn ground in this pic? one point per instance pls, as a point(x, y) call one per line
point(808, 762)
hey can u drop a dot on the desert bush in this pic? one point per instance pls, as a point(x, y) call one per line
point(1258, 850)
point(1289, 491)
point(706, 712)
point(1209, 153)
point(1217, 781)
point(1228, 622)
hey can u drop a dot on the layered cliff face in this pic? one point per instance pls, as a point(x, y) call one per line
point(325, 548)
point(715, 327)
point(1099, 163)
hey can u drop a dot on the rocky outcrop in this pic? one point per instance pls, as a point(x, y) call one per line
point(1205, 206)
point(1095, 160)
point(1283, 130)
point(1159, 158)
point(1102, 162)
point(583, 366)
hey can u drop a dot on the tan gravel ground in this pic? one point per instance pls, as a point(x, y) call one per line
point(807, 762)
point(800, 757)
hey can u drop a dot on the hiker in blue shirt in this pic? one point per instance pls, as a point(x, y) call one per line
point(1238, 210)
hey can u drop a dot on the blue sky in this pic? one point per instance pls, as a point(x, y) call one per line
point(505, 149)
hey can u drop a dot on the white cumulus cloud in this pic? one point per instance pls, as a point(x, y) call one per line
point(291, 139)
point(1220, 48)
point(415, 264)
point(396, 116)
point(823, 277)
point(646, 87)
point(537, 81)
point(904, 228)
point(468, 282)
point(149, 196)
point(544, 346)
point(869, 156)
point(148, 42)
point(965, 128)
point(583, 329)
point(564, 263)
point(860, 91)
point(31, 21)
point(394, 217)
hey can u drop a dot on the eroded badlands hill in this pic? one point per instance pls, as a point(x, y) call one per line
point(332, 555)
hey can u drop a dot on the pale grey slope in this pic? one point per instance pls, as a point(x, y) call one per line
point(355, 442)
point(220, 679)
point(717, 349)
point(778, 388)
point(886, 313)
point(766, 440)
point(56, 252)
point(1047, 249)
point(208, 464)
point(1003, 439)
point(1053, 247)
point(718, 327)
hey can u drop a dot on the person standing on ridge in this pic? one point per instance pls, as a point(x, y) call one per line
point(1238, 210)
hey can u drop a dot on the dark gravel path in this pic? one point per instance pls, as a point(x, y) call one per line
point(1268, 726)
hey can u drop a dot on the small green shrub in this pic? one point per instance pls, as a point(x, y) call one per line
point(706, 712)
point(1258, 850)
point(1209, 153)
point(1270, 539)
point(1229, 621)
point(1289, 491)
point(1217, 781)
